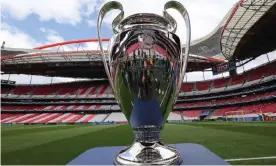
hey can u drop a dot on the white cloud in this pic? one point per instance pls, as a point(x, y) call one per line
point(92, 23)
point(16, 38)
point(54, 37)
point(51, 36)
point(204, 15)
point(62, 11)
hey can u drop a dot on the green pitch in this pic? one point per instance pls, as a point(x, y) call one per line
point(60, 144)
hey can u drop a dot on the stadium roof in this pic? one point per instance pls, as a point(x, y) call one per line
point(7, 51)
point(250, 30)
point(79, 64)
point(241, 29)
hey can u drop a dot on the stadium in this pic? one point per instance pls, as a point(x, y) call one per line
point(232, 113)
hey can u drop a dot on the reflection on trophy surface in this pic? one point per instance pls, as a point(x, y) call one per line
point(145, 67)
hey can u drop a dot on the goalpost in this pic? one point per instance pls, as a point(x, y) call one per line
point(235, 116)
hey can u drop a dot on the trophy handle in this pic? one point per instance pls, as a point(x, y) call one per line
point(183, 59)
point(116, 29)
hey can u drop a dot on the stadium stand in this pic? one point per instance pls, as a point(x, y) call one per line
point(116, 117)
point(253, 110)
point(249, 110)
point(174, 116)
point(99, 118)
point(3, 116)
point(62, 111)
point(220, 83)
point(59, 89)
point(190, 114)
point(260, 74)
point(252, 92)
point(58, 118)
point(256, 75)
point(86, 118)
point(230, 100)
point(247, 94)
point(201, 86)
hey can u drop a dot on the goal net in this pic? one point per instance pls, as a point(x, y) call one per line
point(235, 116)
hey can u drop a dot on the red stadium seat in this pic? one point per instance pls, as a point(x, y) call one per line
point(187, 87)
point(66, 91)
point(218, 83)
point(83, 89)
point(3, 116)
point(203, 85)
point(21, 90)
point(190, 113)
point(102, 91)
point(25, 118)
point(45, 90)
point(51, 118)
point(88, 118)
point(75, 118)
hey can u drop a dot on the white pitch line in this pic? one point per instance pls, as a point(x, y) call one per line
point(254, 158)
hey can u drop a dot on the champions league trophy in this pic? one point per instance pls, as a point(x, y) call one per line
point(145, 67)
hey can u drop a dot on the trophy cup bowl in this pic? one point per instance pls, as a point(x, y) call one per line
point(145, 67)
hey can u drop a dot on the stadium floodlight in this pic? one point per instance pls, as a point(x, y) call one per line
point(3, 45)
point(145, 69)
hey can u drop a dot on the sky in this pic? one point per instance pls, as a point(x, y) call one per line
point(32, 23)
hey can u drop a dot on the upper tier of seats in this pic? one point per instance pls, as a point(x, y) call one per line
point(89, 88)
point(233, 99)
point(63, 89)
point(247, 78)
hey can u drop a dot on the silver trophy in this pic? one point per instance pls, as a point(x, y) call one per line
point(145, 67)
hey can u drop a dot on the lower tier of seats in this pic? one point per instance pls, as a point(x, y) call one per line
point(52, 118)
point(36, 118)
point(248, 110)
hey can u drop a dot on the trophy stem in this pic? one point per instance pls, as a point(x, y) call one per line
point(147, 149)
point(147, 134)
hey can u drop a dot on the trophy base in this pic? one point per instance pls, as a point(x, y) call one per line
point(192, 154)
point(155, 153)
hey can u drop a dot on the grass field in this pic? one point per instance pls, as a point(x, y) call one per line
point(60, 144)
